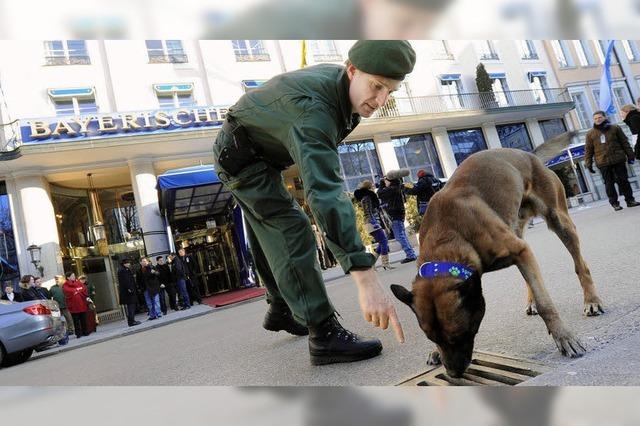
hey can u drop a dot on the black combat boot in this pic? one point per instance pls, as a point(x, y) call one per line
point(331, 343)
point(280, 318)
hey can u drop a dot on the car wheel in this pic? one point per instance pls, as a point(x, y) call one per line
point(18, 357)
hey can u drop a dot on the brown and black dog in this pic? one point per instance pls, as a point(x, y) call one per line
point(476, 222)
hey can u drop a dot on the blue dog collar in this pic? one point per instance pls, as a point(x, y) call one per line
point(434, 269)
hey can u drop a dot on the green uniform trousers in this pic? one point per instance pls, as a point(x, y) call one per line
point(281, 239)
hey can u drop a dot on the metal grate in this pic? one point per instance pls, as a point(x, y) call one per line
point(110, 316)
point(485, 369)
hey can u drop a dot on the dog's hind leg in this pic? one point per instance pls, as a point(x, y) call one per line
point(528, 266)
point(560, 223)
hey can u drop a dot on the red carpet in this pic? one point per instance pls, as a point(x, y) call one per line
point(234, 296)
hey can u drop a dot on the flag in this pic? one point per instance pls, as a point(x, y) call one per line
point(304, 54)
point(606, 95)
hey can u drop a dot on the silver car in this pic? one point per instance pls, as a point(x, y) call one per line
point(28, 326)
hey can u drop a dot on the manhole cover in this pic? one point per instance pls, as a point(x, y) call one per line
point(485, 369)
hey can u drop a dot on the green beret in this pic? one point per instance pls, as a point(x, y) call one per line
point(388, 58)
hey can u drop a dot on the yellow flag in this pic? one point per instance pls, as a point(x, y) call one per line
point(304, 54)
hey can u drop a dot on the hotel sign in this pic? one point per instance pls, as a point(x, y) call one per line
point(100, 126)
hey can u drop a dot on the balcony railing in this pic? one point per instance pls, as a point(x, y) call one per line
point(530, 55)
point(172, 58)
point(397, 107)
point(64, 60)
point(327, 57)
point(489, 56)
point(252, 57)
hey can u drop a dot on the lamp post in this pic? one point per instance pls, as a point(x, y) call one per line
point(35, 252)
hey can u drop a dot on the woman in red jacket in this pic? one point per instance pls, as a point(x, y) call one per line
point(76, 295)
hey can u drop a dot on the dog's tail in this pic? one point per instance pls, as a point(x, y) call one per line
point(554, 146)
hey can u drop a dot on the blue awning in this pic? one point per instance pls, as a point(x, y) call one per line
point(494, 75)
point(576, 152)
point(192, 192)
point(449, 77)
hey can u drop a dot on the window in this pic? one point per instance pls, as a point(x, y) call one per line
point(561, 51)
point(466, 142)
point(359, 161)
point(325, 51)
point(514, 136)
point(250, 50)
point(440, 49)
point(583, 111)
point(249, 85)
point(486, 50)
point(69, 52)
point(585, 54)
point(620, 97)
point(631, 50)
point(451, 88)
point(601, 50)
point(417, 152)
point(527, 49)
point(77, 101)
point(166, 51)
point(539, 86)
point(501, 89)
point(552, 127)
point(173, 96)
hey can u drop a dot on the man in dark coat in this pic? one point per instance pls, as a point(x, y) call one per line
point(128, 294)
point(193, 285)
point(167, 284)
point(424, 189)
point(610, 147)
point(631, 117)
point(179, 274)
point(392, 200)
point(147, 278)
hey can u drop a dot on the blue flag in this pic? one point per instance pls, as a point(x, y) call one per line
point(606, 96)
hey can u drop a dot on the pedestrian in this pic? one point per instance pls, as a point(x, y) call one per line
point(147, 278)
point(76, 298)
point(27, 285)
point(128, 291)
point(631, 117)
point(392, 196)
point(58, 295)
point(191, 277)
point(10, 295)
point(178, 269)
point(373, 220)
point(92, 316)
point(610, 147)
point(42, 292)
point(167, 285)
point(299, 118)
point(423, 189)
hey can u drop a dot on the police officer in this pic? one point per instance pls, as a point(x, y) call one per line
point(299, 118)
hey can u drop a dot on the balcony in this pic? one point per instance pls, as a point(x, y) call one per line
point(489, 56)
point(485, 101)
point(327, 57)
point(70, 60)
point(253, 57)
point(172, 58)
point(530, 56)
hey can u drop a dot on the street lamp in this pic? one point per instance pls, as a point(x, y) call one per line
point(35, 252)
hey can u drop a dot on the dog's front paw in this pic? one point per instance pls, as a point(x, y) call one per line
point(531, 309)
point(434, 358)
point(568, 345)
point(593, 309)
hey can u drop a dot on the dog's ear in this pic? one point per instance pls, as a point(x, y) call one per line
point(404, 295)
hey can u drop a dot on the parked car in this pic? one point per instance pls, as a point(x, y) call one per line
point(28, 326)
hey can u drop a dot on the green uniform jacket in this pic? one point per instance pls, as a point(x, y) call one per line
point(615, 150)
point(58, 296)
point(300, 117)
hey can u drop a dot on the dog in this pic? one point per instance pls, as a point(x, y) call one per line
point(475, 225)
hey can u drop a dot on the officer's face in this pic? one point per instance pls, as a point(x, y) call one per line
point(598, 118)
point(368, 92)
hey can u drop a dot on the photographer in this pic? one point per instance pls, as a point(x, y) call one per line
point(392, 196)
point(424, 189)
